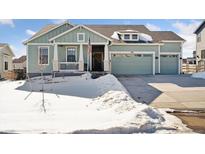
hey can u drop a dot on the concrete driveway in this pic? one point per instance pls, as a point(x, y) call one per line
point(167, 91)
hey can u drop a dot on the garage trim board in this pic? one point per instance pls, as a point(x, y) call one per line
point(132, 53)
point(173, 53)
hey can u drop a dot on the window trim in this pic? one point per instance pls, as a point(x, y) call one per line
point(198, 39)
point(130, 37)
point(137, 37)
point(5, 59)
point(5, 66)
point(39, 55)
point(78, 34)
point(76, 52)
point(201, 54)
point(125, 38)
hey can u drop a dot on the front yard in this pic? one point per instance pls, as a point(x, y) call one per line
point(79, 105)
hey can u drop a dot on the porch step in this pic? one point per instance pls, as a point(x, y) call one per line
point(62, 74)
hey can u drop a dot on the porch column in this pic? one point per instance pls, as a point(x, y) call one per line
point(81, 60)
point(106, 59)
point(55, 58)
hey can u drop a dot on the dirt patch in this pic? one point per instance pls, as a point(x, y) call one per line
point(193, 120)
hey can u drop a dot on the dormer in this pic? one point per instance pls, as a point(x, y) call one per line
point(129, 35)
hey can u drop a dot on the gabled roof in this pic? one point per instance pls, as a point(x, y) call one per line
point(3, 45)
point(87, 28)
point(20, 59)
point(157, 36)
point(200, 28)
point(107, 31)
point(45, 30)
point(6, 45)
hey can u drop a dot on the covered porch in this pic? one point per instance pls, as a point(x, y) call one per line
point(74, 57)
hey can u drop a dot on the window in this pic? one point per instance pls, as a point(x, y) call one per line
point(71, 54)
point(126, 36)
point(81, 37)
point(43, 55)
point(134, 36)
point(5, 65)
point(199, 37)
point(202, 54)
point(130, 37)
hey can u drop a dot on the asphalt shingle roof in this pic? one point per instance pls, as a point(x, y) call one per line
point(108, 30)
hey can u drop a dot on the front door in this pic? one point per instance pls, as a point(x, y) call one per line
point(97, 61)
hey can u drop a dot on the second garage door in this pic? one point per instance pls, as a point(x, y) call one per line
point(131, 64)
point(169, 64)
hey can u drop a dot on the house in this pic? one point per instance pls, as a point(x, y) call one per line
point(19, 63)
point(190, 60)
point(117, 49)
point(6, 55)
point(200, 42)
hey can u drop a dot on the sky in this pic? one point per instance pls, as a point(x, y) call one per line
point(14, 32)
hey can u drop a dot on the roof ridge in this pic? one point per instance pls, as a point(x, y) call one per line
point(112, 25)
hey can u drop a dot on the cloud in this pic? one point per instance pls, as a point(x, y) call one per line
point(59, 21)
point(7, 22)
point(153, 27)
point(185, 30)
point(30, 32)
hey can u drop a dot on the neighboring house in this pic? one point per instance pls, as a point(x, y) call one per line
point(6, 55)
point(190, 60)
point(200, 43)
point(118, 49)
point(19, 63)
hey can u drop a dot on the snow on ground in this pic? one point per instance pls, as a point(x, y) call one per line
point(199, 75)
point(79, 105)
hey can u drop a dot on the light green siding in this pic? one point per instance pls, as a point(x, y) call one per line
point(138, 48)
point(72, 36)
point(169, 64)
point(62, 53)
point(45, 38)
point(33, 66)
point(171, 47)
point(131, 64)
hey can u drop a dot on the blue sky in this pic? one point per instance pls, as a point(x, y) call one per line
point(16, 31)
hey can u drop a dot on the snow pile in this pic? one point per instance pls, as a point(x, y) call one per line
point(86, 76)
point(115, 35)
point(141, 117)
point(77, 105)
point(199, 75)
point(107, 83)
point(118, 100)
point(145, 37)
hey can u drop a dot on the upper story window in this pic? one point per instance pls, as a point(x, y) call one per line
point(126, 36)
point(130, 37)
point(43, 55)
point(81, 37)
point(199, 37)
point(134, 36)
point(202, 54)
point(71, 54)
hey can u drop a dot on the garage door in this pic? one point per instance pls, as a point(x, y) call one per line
point(132, 64)
point(169, 64)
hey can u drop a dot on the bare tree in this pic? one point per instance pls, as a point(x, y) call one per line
point(42, 67)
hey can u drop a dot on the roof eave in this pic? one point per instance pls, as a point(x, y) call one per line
point(199, 27)
point(25, 42)
point(89, 29)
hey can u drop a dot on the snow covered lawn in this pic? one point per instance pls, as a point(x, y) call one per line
point(199, 75)
point(79, 105)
